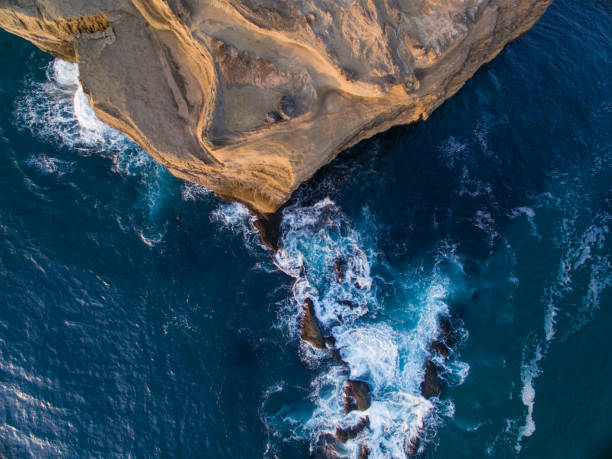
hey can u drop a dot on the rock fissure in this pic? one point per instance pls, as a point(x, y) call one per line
point(314, 77)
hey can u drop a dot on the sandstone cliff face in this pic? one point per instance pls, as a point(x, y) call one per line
point(251, 97)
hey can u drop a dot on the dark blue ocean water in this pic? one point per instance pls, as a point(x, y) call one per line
point(141, 317)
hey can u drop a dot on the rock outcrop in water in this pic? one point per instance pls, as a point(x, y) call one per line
point(250, 97)
point(356, 396)
point(310, 330)
point(347, 433)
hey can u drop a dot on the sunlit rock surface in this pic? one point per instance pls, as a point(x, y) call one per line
point(250, 97)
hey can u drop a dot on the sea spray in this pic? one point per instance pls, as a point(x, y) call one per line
point(56, 110)
point(382, 320)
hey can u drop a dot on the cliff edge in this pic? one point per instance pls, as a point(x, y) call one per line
point(250, 97)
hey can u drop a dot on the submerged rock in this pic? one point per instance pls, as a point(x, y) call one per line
point(356, 395)
point(446, 340)
point(346, 433)
point(325, 447)
point(440, 348)
point(310, 328)
point(310, 331)
point(330, 341)
point(251, 97)
point(351, 304)
point(269, 227)
point(412, 446)
point(364, 451)
point(335, 354)
point(430, 387)
point(340, 267)
point(448, 335)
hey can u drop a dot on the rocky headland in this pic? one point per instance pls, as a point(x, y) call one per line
point(250, 97)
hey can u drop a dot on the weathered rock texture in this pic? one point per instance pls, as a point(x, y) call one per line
point(251, 97)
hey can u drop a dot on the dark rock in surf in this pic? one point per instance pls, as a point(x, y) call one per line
point(326, 447)
point(350, 404)
point(269, 227)
point(311, 333)
point(347, 433)
point(451, 339)
point(440, 348)
point(356, 395)
point(364, 451)
point(447, 333)
point(310, 328)
point(412, 446)
point(330, 341)
point(349, 303)
point(430, 387)
point(335, 354)
point(445, 326)
point(340, 267)
point(358, 285)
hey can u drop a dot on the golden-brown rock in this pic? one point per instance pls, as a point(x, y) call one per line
point(251, 97)
point(310, 330)
point(356, 395)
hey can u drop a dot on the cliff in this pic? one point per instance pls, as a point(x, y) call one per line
point(250, 97)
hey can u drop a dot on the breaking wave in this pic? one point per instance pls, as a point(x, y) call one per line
point(383, 321)
point(56, 110)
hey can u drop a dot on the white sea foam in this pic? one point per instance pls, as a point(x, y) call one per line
point(386, 347)
point(529, 371)
point(581, 252)
point(454, 151)
point(57, 110)
point(237, 219)
point(549, 320)
point(473, 187)
point(193, 192)
point(530, 214)
point(48, 165)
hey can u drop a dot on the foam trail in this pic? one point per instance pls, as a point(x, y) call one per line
point(529, 371)
point(583, 250)
point(47, 165)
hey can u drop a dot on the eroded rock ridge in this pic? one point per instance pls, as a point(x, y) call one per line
point(250, 97)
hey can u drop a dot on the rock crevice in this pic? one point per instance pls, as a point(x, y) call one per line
point(251, 97)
